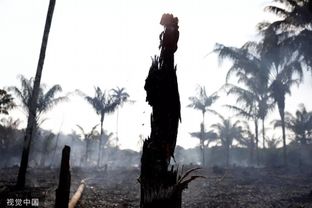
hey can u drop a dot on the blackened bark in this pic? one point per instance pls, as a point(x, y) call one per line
point(63, 189)
point(31, 124)
point(158, 184)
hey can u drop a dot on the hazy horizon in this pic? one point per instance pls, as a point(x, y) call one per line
point(109, 44)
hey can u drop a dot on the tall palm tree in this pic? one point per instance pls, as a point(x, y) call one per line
point(103, 104)
point(227, 132)
point(252, 73)
point(6, 102)
point(47, 99)
point(284, 74)
point(33, 102)
point(202, 102)
point(271, 73)
point(88, 137)
point(121, 96)
point(300, 125)
point(204, 136)
point(280, 54)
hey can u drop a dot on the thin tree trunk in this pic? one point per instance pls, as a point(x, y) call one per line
point(203, 118)
point(87, 150)
point(117, 125)
point(227, 154)
point(257, 141)
point(33, 101)
point(251, 153)
point(284, 138)
point(202, 140)
point(202, 147)
point(100, 145)
point(263, 134)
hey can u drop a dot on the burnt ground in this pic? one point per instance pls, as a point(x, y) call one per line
point(234, 187)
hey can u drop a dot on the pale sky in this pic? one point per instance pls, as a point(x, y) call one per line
point(109, 43)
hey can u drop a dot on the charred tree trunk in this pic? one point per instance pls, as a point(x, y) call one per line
point(33, 101)
point(63, 189)
point(159, 184)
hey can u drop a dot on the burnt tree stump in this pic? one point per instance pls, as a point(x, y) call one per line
point(63, 189)
point(159, 186)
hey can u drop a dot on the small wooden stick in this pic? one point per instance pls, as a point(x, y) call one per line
point(74, 200)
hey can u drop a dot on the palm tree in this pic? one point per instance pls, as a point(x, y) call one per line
point(270, 74)
point(88, 137)
point(103, 104)
point(47, 99)
point(6, 102)
point(204, 136)
point(253, 97)
point(33, 101)
point(202, 102)
point(121, 96)
point(273, 142)
point(280, 86)
point(247, 140)
point(293, 29)
point(227, 132)
point(278, 39)
point(300, 125)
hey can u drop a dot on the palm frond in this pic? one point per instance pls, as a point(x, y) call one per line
point(277, 10)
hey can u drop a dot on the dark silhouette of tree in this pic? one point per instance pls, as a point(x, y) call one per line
point(293, 29)
point(266, 72)
point(282, 40)
point(47, 99)
point(284, 74)
point(9, 139)
point(103, 104)
point(252, 98)
point(300, 125)
point(88, 137)
point(273, 142)
point(204, 136)
point(6, 102)
point(279, 88)
point(227, 132)
point(33, 101)
point(120, 96)
point(247, 140)
point(246, 107)
point(161, 187)
point(202, 102)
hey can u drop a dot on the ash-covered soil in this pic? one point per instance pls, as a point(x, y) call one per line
point(233, 187)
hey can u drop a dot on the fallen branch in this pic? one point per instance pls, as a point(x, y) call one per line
point(74, 200)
